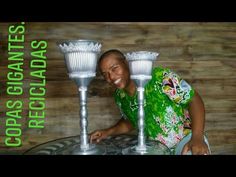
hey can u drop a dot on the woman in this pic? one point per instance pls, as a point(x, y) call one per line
point(174, 112)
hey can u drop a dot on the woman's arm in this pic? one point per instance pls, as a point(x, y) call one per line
point(197, 114)
point(121, 127)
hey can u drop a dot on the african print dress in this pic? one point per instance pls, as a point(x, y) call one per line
point(167, 97)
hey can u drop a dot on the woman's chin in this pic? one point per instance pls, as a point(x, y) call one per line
point(119, 86)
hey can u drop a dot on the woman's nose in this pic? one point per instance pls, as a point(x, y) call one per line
point(112, 76)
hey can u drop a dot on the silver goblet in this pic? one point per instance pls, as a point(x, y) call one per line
point(81, 61)
point(140, 65)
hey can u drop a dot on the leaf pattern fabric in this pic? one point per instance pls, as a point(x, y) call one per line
point(166, 101)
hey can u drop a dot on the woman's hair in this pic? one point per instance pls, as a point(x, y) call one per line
point(115, 52)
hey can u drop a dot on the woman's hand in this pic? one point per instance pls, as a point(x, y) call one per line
point(121, 127)
point(197, 147)
point(98, 135)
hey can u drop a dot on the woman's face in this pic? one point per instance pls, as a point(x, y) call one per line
point(115, 71)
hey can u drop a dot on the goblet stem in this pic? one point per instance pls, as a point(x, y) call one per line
point(83, 118)
point(141, 124)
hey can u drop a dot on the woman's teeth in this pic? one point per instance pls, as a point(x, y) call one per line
point(117, 81)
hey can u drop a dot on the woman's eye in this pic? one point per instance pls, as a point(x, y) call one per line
point(114, 68)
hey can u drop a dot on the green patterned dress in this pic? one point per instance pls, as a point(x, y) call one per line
point(167, 97)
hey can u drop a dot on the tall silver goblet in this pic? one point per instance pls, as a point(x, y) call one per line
point(140, 65)
point(81, 61)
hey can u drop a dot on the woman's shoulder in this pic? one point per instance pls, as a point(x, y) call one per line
point(159, 71)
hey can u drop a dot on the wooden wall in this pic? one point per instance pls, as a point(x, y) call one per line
point(202, 53)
